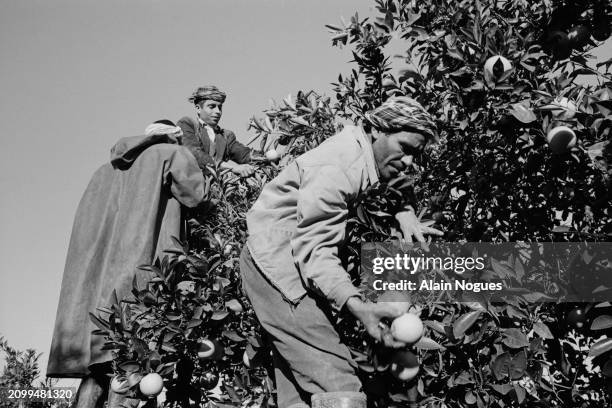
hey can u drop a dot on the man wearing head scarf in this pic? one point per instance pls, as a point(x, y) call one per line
point(290, 267)
point(209, 143)
point(127, 217)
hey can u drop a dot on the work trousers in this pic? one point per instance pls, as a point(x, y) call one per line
point(309, 357)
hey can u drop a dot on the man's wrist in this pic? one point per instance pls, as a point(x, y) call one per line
point(354, 305)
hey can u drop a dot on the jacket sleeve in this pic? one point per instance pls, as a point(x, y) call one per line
point(322, 211)
point(235, 150)
point(190, 141)
point(185, 178)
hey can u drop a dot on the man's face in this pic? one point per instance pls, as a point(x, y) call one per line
point(394, 152)
point(210, 112)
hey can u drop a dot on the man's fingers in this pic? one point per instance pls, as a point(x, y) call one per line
point(432, 231)
point(397, 344)
point(427, 223)
point(407, 235)
point(387, 339)
point(419, 236)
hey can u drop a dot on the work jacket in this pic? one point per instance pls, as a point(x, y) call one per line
point(298, 222)
point(227, 147)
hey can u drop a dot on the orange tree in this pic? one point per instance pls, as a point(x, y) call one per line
point(498, 76)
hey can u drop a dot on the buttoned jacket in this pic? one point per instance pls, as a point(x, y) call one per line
point(227, 147)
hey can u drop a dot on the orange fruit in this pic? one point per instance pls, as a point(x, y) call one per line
point(209, 350)
point(272, 155)
point(404, 365)
point(577, 318)
point(561, 139)
point(579, 36)
point(151, 384)
point(209, 381)
point(407, 328)
point(497, 69)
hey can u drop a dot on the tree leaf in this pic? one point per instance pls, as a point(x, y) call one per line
point(234, 306)
point(99, 322)
point(523, 113)
point(503, 389)
point(542, 330)
point(502, 271)
point(602, 322)
point(425, 343)
point(233, 336)
point(219, 315)
point(514, 338)
point(500, 365)
point(602, 346)
point(507, 365)
point(520, 393)
point(435, 325)
point(130, 366)
point(466, 321)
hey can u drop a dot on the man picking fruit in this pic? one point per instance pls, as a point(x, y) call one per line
point(208, 142)
point(290, 267)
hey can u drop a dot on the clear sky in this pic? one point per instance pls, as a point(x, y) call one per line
point(77, 75)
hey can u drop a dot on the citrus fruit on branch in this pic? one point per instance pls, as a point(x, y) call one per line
point(209, 381)
point(407, 328)
point(404, 365)
point(579, 36)
point(272, 155)
point(561, 139)
point(577, 318)
point(151, 385)
point(209, 350)
point(497, 69)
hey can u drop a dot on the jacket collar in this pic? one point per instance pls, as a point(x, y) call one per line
point(365, 141)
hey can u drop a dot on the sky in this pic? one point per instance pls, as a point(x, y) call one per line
point(77, 75)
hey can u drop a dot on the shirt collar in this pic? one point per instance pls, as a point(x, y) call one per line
point(365, 141)
point(217, 128)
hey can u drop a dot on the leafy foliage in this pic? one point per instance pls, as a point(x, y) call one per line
point(20, 372)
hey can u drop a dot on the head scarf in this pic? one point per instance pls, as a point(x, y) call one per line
point(163, 127)
point(403, 114)
point(207, 92)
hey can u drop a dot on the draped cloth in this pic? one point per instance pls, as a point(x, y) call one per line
point(403, 113)
point(125, 219)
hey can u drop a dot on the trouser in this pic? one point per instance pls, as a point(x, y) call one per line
point(308, 355)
